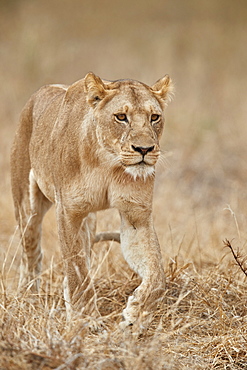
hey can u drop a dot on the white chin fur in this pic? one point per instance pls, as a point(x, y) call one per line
point(140, 171)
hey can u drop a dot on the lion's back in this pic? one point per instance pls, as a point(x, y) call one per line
point(48, 96)
point(38, 106)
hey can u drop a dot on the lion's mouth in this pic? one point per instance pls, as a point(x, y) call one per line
point(141, 163)
point(138, 161)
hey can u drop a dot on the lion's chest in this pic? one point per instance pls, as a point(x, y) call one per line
point(88, 195)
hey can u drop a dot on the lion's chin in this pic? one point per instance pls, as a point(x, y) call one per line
point(140, 171)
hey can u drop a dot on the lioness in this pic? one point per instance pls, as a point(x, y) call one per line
point(87, 147)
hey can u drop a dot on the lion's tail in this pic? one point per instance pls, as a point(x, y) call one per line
point(113, 236)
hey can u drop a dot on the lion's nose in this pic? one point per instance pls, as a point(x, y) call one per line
point(143, 149)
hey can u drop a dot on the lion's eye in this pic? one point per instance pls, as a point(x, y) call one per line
point(155, 118)
point(121, 117)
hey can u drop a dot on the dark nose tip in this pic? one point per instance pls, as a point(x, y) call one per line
point(143, 149)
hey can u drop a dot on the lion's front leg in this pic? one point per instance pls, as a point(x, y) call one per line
point(76, 237)
point(141, 250)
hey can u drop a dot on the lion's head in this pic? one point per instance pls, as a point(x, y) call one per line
point(129, 120)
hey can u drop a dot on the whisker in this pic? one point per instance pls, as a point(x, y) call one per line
point(163, 160)
point(112, 161)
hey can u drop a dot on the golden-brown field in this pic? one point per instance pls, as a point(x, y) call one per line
point(200, 196)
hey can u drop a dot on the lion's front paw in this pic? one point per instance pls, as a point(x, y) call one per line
point(141, 307)
point(130, 313)
point(138, 323)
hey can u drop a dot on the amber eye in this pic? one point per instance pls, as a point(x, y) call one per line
point(121, 117)
point(155, 118)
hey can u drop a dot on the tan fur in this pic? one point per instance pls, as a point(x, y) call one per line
point(74, 149)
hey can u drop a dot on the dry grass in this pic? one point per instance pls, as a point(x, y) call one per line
point(200, 197)
point(201, 324)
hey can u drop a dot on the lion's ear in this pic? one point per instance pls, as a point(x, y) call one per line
point(95, 88)
point(163, 88)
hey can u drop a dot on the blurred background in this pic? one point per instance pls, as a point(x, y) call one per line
point(200, 195)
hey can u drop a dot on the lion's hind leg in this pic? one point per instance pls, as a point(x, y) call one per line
point(31, 208)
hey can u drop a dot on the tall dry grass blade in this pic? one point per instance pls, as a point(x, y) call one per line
point(228, 208)
point(240, 261)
